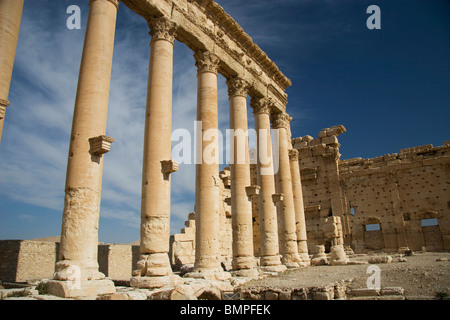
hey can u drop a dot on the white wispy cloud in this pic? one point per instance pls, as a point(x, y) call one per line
point(36, 134)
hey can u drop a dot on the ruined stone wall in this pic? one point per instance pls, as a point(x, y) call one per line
point(397, 192)
point(26, 260)
point(323, 201)
point(382, 201)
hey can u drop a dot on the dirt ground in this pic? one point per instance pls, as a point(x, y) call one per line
point(421, 275)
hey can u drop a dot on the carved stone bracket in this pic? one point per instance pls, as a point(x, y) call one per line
point(3, 105)
point(169, 166)
point(100, 145)
point(237, 87)
point(206, 61)
point(161, 28)
point(277, 197)
point(252, 190)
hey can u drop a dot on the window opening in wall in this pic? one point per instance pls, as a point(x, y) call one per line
point(352, 211)
point(429, 222)
point(373, 227)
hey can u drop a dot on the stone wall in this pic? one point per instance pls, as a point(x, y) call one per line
point(25, 260)
point(381, 201)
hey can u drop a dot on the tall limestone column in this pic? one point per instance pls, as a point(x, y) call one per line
point(207, 183)
point(10, 18)
point(241, 210)
point(270, 259)
point(299, 208)
point(79, 232)
point(153, 268)
point(286, 211)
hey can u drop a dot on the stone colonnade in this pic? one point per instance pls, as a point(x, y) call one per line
point(77, 272)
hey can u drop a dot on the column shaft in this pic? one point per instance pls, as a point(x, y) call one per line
point(207, 171)
point(266, 207)
point(10, 18)
point(157, 166)
point(285, 207)
point(79, 233)
point(241, 211)
point(299, 207)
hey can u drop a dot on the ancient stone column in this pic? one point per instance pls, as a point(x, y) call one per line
point(270, 259)
point(207, 263)
point(299, 208)
point(88, 143)
point(286, 212)
point(10, 18)
point(153, 268)
point(241, 210)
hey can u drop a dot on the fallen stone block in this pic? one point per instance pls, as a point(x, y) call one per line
point(380, 259)
point(364, 292)
point(355, 262)
point(17, 293)
point(271, 295)
point(392, 291)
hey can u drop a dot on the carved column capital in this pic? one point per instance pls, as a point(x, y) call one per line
point(237, 87)
point(260, 105)
point(280, 120)
point(206, 61)
point(293, 155)
point(161, 28)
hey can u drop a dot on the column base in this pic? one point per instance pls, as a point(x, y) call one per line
point(156, 282)
point(305, 261)
point(245, 273)
point(81, 288)
point(153, 265)
point(209, 274)
point(278, 268)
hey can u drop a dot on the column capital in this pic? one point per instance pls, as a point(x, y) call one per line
point(260, 105)
point(237, 86)
point(280, 120)
point(293, 155)
point(114, 2)
point(206, 61)
point(162, 28)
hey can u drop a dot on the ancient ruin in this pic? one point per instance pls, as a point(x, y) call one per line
point(249, 219)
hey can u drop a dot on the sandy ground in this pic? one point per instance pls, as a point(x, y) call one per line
point(420, 275)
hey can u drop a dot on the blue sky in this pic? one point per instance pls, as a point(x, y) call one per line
point(390, 88)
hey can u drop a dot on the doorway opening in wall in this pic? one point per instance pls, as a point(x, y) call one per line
point(327, 246)
point(373, 227)
point(429, 222)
